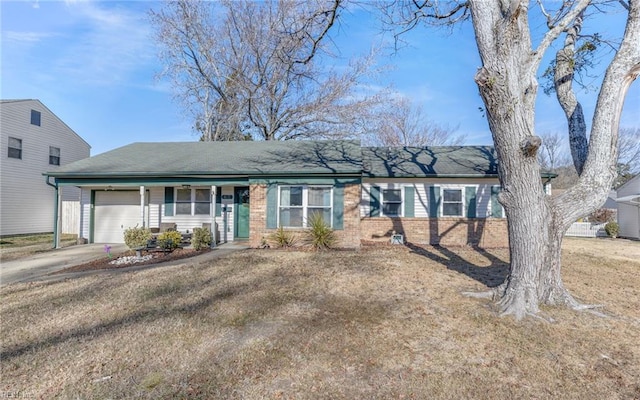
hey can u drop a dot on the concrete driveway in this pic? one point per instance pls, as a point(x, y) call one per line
point(36, 267)
point(32, 267)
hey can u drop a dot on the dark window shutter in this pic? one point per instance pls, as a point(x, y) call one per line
point(409, 201)
point(470, 201)
point(168, 201)
point(496, 207)
point(338, 207)
point(434, 201)
point(374, 202)
point(218, 201)
point(272, 206)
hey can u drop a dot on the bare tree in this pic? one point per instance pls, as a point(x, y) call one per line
point(400, 123)
point(629, 148)
point(628, 155)
point(552, 154)
point(508, 86)
point(254, 69)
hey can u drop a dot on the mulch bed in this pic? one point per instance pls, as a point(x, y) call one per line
point(158, 257)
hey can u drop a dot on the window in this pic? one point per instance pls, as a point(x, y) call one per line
point(298, 203)
point(452, 202)
point(15, 148)
point(202, 202)
point(193, 201)
point(391, 202)
point(54, 155)
point(35, 117)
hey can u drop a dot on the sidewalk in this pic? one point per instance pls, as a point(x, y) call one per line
point(39, 266)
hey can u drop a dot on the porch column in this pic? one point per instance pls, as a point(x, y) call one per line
point(214, 231)
point(58, 221)
point(142, 206)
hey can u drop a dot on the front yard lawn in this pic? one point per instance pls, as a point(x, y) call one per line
point(381, 323)
point(15, 247)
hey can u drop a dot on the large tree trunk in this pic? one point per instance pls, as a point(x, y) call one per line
point(508, 86)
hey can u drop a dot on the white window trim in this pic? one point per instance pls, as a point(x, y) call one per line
point(305, 204)
point(401, 213)
point(59, 156)
point(192, 202)
point(15, 148)
point(463, 199)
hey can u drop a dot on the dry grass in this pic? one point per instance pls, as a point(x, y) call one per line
point(383, 323)
point(16, 247)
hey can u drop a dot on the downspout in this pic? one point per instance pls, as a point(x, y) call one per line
point(56, 238)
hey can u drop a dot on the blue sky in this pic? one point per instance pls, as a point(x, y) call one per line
point(94, 64)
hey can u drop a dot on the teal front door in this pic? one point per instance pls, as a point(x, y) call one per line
point(241, 202)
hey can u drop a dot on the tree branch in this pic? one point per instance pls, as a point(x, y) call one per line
point(554, 32)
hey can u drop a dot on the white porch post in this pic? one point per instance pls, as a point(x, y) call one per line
point(142, 206)
point(214, 231)
point(58, 217)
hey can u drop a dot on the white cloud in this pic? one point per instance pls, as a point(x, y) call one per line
point(26, 37)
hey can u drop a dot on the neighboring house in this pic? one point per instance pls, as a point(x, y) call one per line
point(610, 203)
point(629, 208)
point(34, 141)
point(432, 195)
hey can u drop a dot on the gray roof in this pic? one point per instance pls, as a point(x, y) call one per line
point(221, 158)
point(407, 162)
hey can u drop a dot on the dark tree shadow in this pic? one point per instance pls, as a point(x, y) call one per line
point(491, 276)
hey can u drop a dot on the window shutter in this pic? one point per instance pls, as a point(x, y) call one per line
point(272, 206)
point(218, 202)
point(338, 207)
point(470, 201)
point(409, 201)
point(434, 201)
point(168, 202)
point(374, 201)
point(496, 207)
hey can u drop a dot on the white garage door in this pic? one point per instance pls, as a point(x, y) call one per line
point(115, 212)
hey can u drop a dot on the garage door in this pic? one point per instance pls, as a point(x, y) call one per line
point(115, 212)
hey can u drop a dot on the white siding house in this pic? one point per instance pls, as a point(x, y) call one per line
point(35, 141)
point(629, 208)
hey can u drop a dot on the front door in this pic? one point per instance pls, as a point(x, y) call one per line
point(241, 201)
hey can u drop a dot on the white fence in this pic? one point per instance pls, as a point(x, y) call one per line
point(71, 217)
point(586, 229)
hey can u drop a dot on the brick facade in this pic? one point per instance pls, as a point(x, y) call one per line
point(482, 232)
point(348, 237)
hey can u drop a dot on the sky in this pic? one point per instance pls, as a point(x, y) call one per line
point(95, 65)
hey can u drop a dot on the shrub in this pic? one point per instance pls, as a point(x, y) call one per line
point(283, 238)
point(612, 228)
point(602, 215)
point(320, 235)
point(169, 240)
point(136, 237)
point(201, 238)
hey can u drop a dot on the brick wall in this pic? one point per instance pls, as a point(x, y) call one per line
point(483, 232)
point(349, 237)
point(258, 215)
